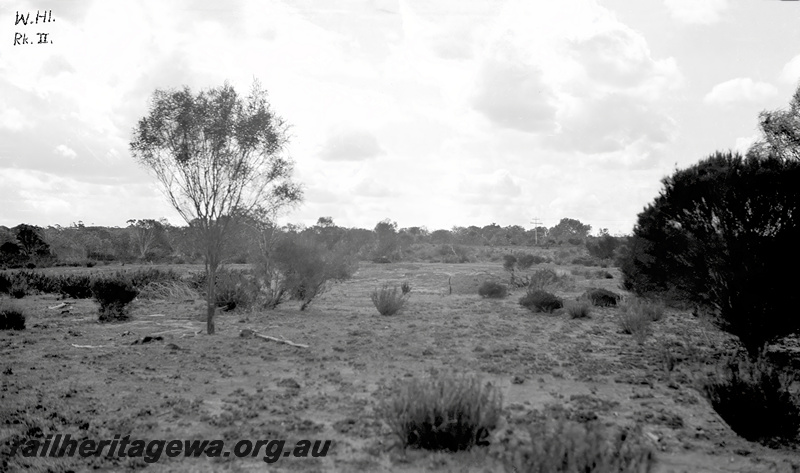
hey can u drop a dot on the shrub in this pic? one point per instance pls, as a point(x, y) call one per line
point(537, 300)
point(723, 234)
point(602, 247)
point(634, 322)
point(584, 261)
point(578, 309)
point(562, 445)
point(142, 277)
point(546, 278)
point(652, 310)
point(5, 282)
point(492, 290)
point(75, 286)
point(526, 261)
point(509, 262)
point(405, 288)
point(301, 269)
point(388, 301)
point(234, 289)
point(178, 290)
point(602, 297)
point(442, 413)
point(755, 398)
point(114, 294)
point(19, 289)
point(11, 318)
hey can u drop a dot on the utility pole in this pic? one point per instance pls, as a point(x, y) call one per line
point(536, 224)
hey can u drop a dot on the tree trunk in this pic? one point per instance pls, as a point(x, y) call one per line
point(211, 274)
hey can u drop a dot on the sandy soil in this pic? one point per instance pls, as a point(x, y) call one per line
point(67, 374)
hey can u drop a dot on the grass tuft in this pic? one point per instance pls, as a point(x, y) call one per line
point(446, 412)
point(388, 301)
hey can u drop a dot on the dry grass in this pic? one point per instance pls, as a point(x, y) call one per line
point(170, 290)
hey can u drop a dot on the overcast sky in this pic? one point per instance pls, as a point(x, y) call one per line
point(434, 113)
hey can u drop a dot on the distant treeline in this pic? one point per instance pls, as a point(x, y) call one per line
point(158, 241)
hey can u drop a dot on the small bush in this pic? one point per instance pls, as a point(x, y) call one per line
point(578, 309)
point(234, 289)
point(405, 288)
point(602, 297)
point(546, 278)
point(442, 413)
point(526, 261)
point(5, 283)
point(19, 289)
point(585, 261)
point(388, 301)
point(75, 286)
point(566, 446)
point(11, 318)
point(755, 398)
point(652, 310)
point(492, 290)
point(114, 294)
point(634, 322)
point(540, 301)
point(509, 262)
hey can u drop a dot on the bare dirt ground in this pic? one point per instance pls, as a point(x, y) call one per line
point(67, 374)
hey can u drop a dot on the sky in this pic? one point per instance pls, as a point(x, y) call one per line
point(434, 113)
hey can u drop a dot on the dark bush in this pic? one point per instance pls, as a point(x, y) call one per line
point(114, 294)
point(5, 282)
point(602, 297)
point(75, 286)
point(756, 399)
point(722, 234)
point(602, 247)
point(449, 413)
point(18, 290)
point(388, 301)
point(526, 261)
point(509, 262)
point(405, 288)
point(381, 260)
point(234, 289)
point(492, 290)
point(11, 318)
point(537, 300)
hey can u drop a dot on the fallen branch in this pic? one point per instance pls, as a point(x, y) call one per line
point(279, 340)
point(90, 346)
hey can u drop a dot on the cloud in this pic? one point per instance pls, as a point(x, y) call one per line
point(13, 120)
point(351, 146)
point(791, 71)
point(369, 187)
point(741, 89)
point(514, 96)
point(701, 12)
point(66, 151)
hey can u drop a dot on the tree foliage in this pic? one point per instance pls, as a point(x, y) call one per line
point(216, 155)
point(569, 228)
point(723, 235)
point(781, 131)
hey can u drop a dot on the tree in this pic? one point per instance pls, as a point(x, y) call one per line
point(781, 130)
point(31, 241)
point(569, 228)
point(146, 233)
point(386, 232)
point(723, 235)
point(216, 155)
